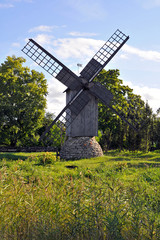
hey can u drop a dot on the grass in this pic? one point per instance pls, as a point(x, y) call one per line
point(113, 197)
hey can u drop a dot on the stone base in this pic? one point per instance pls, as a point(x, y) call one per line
point(80, 147)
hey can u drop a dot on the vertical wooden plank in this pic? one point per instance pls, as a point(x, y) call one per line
point(86, 123)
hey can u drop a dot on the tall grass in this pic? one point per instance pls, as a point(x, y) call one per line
point(103, 198)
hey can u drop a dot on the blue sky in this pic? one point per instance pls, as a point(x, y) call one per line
point(73, 30)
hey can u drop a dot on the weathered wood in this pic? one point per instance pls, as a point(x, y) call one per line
point(86, 123)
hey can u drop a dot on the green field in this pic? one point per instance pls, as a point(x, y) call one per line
point(113, 197)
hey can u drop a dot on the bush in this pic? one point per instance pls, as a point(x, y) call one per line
point(46, 158)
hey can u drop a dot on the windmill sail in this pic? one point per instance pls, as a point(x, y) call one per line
point(84, 89)
point(52, 65)
point(104, 55)
point(99, 91)
point(111, 101)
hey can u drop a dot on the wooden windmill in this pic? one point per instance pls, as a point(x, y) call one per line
point(81, 111)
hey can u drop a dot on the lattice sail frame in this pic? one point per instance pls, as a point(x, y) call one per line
point(104, 55)
point(51, 64)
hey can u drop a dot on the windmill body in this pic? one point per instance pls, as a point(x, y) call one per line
point(80, 114)
point(81, 142)
point(86, 123)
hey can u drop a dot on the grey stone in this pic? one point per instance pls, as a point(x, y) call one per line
point(80, 147)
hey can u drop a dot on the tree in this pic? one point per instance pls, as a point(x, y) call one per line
point(23, 101)
point(147, 128)
point(115, 132)
point(155, 131)
point(56, 135)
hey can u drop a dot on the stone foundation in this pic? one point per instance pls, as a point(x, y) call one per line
point(80, 147)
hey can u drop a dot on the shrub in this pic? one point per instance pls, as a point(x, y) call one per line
point(46, 158)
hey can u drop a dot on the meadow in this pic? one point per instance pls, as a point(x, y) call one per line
point(114, 197)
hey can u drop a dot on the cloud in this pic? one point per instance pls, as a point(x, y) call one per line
point(56, 98)
point(10, 4)
point(82, 34)
point(16, 44)
point(88, 9)
point(80, 48)
point(42, 28)
point(44, 39)
point(149, 3)
point(86, 47)
point(7, 5)
point(152, 95)
point(146, 55)
point(29, 1)
point(45, 28)
point(124, 56)
point(74, 50)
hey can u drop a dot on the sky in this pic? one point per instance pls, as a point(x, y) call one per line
point(74, 30)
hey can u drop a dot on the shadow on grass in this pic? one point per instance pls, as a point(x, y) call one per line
point(144, 158)
point(12, 156)
point(143, 165)
point(128, 156)
point(120, 159)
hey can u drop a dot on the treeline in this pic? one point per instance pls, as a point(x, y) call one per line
point(23, 116)
point(142, 132)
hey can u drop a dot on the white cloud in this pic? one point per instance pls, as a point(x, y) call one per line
point(152, 95)
point(124, 56)
point(146, 55)
point(42, 28)
point(16, 44)
point(149, 3)
point(45, 28)
point(11, 4)
point(56, 98)
point(80, 48)
point(7, 5)
point(88, 9)
point(83, 48)
point(82, 34)
point(44, 39)
point(29, 1)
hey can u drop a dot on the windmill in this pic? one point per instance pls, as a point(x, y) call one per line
point(80, 115)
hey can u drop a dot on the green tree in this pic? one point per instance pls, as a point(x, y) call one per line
point(56, 135)
point(155, 131)
point(47, 120)
point(23, 101)
point(115, 132)
point(147, 128)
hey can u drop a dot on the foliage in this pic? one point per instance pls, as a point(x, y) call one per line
point(46, 158)
point(116, 133)
point(112, 197)
point(23, 101)
point(23, 118)
point(56, 135)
